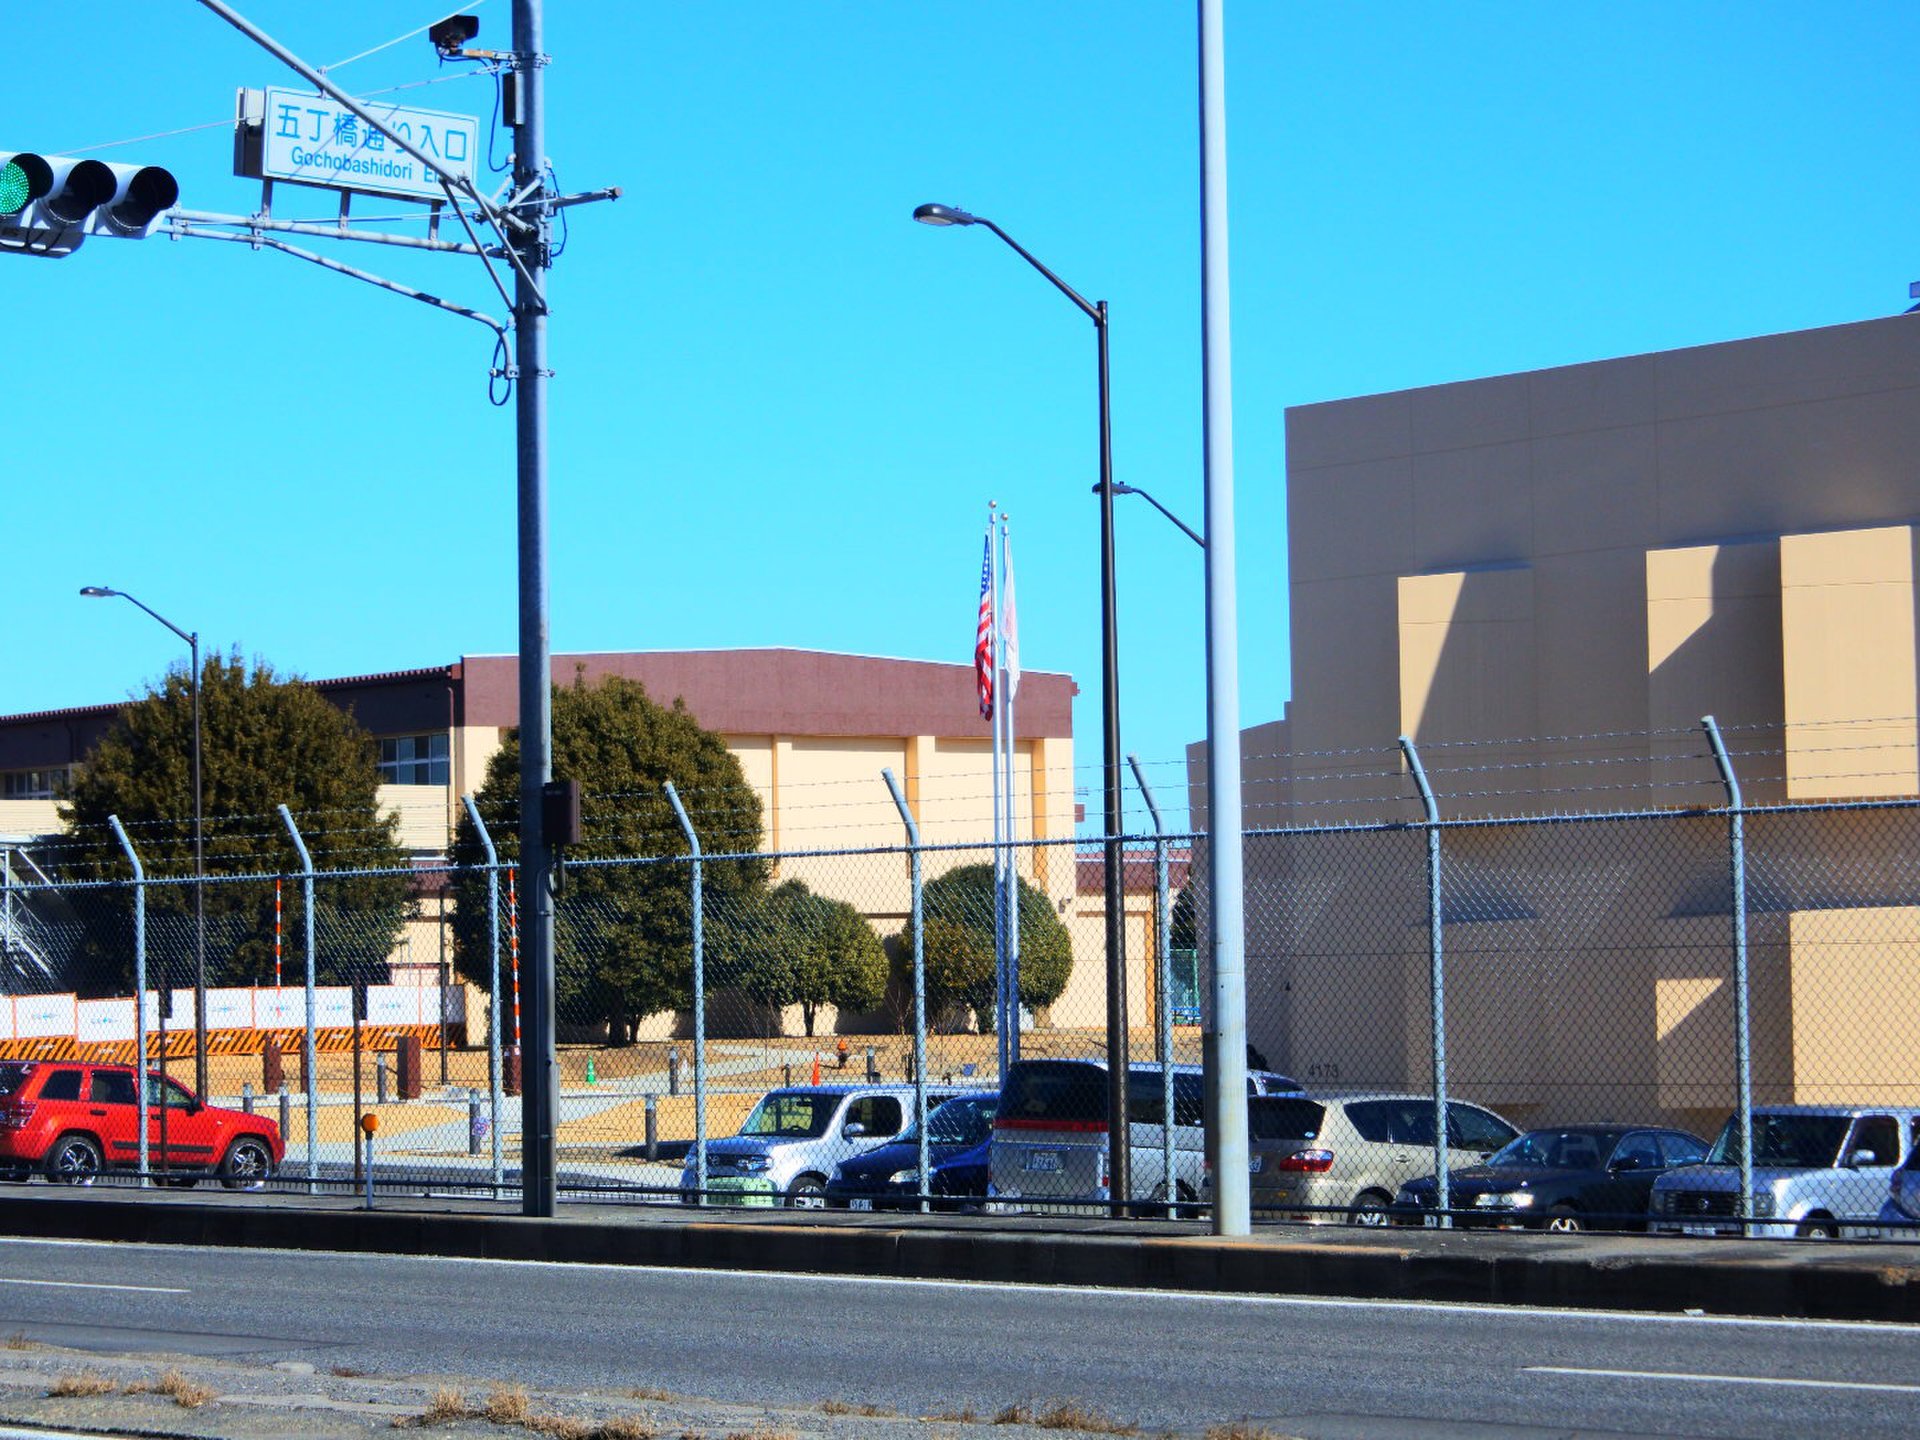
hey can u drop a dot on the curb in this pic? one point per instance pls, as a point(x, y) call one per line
point(1869, 1282)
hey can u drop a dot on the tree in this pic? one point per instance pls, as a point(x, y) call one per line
point(959, 949)
point(623, 931)
point(265, 741)
point(799, 948)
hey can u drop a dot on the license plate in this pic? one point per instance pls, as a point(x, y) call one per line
point(860, 1204)
point(1432, 1222)
point(1043, 1160)
point(1699, 1229)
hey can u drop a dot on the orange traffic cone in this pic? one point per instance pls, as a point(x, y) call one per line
point(816, 1067)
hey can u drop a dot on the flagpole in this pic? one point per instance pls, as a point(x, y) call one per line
point(999, 833)
point(1010, 673)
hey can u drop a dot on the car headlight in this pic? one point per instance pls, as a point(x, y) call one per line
point(904, 1177)
point(1504, 1200)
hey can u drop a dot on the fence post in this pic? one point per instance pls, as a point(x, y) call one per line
point(1163, 972)
point(139, 991)
point(1442, 1193)
point(1742, 1043)
point(699, 1008)
point(919, 983)
point(308, 1059)
point(494, 1007)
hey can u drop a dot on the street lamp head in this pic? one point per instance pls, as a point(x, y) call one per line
point(943, 215)
point(97, 591)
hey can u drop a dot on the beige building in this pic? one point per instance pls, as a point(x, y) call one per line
point(1601, 555)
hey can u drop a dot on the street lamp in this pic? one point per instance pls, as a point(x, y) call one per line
point(1119, 1153)
point(1192, 534)
point(199, 849)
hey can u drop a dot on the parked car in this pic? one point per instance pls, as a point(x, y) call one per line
point(793, 1138)
point(889, 1178)
point(1568, 1177)
point(74, 1121)
point(1902, 1210)
point(1324, 1159)
point(1050, 1134)
point(1819, 1171)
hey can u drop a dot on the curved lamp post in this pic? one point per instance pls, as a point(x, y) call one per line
point(1118, 1152)
point(199, 849)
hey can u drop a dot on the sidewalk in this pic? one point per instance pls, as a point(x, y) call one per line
point(1875, 1281)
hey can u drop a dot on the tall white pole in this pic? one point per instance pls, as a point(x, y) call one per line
point(1008, 621)
point(1227, 1142)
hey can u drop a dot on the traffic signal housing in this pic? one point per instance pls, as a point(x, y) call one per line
point(49, 204)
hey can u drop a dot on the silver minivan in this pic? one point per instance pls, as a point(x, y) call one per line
point(793, 1138)
point(1050, 1134)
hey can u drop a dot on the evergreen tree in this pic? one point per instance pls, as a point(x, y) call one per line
point(959, 948)
point(799, 948)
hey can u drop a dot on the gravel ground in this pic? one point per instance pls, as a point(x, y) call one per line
point(194, 1398)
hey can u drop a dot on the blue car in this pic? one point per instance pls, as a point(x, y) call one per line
point(959, 1134)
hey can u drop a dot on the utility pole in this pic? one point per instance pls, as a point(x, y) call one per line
point(533, 244)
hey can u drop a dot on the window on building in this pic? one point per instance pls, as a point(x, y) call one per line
point(48, 784)
point(414, 760)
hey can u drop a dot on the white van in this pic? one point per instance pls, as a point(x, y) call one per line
point(1050, 1134)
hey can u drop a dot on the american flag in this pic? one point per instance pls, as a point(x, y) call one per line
point(983, 632)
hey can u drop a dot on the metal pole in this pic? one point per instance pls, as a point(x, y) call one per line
point(1012, 732)
point(919, 981)
point(1227, 1143)
point(139, 993)
point(308, 1057)
point(1119, 1141)
point(199, 896)
point(541, 1078)
point(494, 1008)
point(699, 1005)
point(1001, 1055)
point(1163, 972)
point(1742, 1018)
point(1442, 1196)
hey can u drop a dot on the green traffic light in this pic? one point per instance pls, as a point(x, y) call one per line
point(15, 189)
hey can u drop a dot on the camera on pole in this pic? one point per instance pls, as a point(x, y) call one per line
point(49, 204)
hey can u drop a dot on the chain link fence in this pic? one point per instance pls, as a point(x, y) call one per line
point(1586, 981)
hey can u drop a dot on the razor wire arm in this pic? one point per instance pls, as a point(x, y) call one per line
point(308, 1058)
point(139, 991)
point(1442, 1193)
point(919, 985)
point(493, 988)
point(1742, 1019)
point(699, 1006)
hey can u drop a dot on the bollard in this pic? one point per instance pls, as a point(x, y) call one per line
point(380, 1079)
point(510, 1072)
point(673, 1071)
point(907, 1057)
point(653, 1127)
point(286, 1114)
point(477, 1127)
point(273, 1069)
point(246, 1096)
point(406, 1066)
point(873, 1068)
point(369, 1123)
point(786, 1073)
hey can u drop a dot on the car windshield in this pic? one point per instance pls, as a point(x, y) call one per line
point(792, 1117)
point(1794, 1141)
point(958, 1122)
point(1558, 1149)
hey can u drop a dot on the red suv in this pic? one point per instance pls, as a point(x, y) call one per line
point(73, 1120)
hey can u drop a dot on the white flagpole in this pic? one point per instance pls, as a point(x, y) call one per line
point(1010, 672)
point(999, 802)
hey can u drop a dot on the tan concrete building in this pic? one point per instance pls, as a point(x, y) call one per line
point(1600, 555)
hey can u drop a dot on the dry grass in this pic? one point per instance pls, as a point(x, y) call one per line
point(187, 1394)
point(507, 1405)
point(1072, 1415)
point(761, 1432)
point(841, 1407)
point(647, 1392)
point(966, 1415)
point(447, 1405)
point(348, 1372)
point(560, 1427)
point(1243, 1430)
point(1015, 1414)
point(627, 1427)
point(82, 1382)
point(18, 1341)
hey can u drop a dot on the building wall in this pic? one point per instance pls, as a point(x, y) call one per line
point(1605, 552)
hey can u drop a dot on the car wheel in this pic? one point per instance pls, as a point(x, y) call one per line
point(1820, 1228)
point(1369, 1210)
point(74, 1160)
point(809, 1192)
point(1565, 1219)
point(248, 1165)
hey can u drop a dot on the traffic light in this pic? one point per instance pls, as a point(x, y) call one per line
point(50, 203)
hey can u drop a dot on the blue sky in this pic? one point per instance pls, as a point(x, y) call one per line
point(780, 407)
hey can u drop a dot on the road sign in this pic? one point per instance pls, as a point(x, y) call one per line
point(312, 140)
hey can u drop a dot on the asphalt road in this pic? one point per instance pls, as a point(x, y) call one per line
point(1315, 1368)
